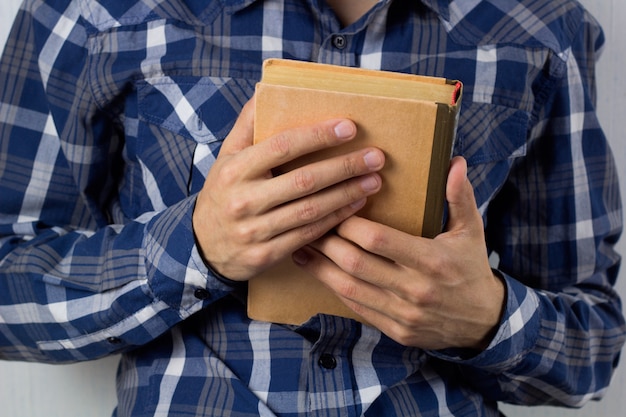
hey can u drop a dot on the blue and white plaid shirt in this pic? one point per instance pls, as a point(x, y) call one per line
point(112, 112)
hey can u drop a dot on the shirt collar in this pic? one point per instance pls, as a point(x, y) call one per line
point(236, 5)
point(440, 7)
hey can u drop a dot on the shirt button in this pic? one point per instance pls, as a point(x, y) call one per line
point(339, 41)
point(114, 340)
point(201, 294)
point(327, 361)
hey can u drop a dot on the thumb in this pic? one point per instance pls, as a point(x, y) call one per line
point(241, 135)
point(462, 211)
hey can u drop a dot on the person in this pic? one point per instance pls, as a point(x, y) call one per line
point(134, 209)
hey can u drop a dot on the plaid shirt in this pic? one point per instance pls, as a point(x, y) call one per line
point(112, 112)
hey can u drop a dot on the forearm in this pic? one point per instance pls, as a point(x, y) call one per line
point(70, 296)
point(550, 349)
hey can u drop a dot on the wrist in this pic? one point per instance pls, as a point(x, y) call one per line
point(499, 292)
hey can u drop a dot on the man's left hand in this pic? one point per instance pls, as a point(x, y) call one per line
point(428, 293)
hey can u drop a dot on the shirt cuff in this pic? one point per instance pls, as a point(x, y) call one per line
point(516, 336)
point(174, 267)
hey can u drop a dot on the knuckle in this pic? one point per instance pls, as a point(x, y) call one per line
point(359, 309)
point(246, 234)
point(259, 257)
point(398, 331)
point(374, 241)
point(350, 167)
point(350, 192)
point(228, 173)
point(319, 136)
point(312, 231)
point(348, 290)
point(304, 181)
point(238, 207)
point(409, 318)
point(280, 145)
point(422, 298)
point(435, 265)
point(308, 211)
point(404, 336)
point(355, 264)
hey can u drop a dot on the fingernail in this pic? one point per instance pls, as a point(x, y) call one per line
point(373, 160)
point(344, 129)
point(369, 183)
point(300, 257)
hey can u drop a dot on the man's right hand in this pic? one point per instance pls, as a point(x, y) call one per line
point(245, 220)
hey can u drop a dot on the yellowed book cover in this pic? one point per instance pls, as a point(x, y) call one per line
point(411, 118)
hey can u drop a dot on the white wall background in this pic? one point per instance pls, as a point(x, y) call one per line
point(87, 389)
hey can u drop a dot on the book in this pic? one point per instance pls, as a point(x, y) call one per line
point(411, 118)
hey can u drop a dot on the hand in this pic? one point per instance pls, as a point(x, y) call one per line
point(245, 219)
point(429, 293)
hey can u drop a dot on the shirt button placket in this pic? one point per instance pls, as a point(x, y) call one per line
point(330, 381)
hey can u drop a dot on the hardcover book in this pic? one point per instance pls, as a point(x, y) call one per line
point(411, 118)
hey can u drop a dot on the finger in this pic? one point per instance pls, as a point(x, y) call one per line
point(460, 196)
point(403, 316)
point(317, 176)
point(384, 241)
point(295, 238)
point(241, 135)
point(363, 297)
point(368, 269)
point(291, 144)
point(314, 207)
point(313, 216)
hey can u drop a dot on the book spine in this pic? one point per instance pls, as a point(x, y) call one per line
point(443, 145)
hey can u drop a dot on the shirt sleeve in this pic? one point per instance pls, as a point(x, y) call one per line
point(78, 280)
point(554, 226)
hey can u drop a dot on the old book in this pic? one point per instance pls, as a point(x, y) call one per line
point(411, 118)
